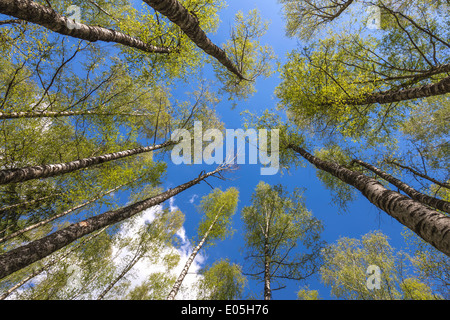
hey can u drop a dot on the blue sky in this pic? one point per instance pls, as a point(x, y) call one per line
point(361, 218)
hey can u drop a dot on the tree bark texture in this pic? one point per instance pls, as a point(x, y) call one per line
point(413, 193)
point(189, 24)
point(52, 170)
point(25, 255)
point(47, 17)
point(424, 91)
point(431, 225)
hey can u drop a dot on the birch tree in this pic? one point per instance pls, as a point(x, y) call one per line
point(222, 281)
point(218, 207)
point(31, 11)
point(21, 257)
point(430, 225)
point(347, 271)
point(282, 237)
point(190, 25)
point(355, 73)
point(51, 170)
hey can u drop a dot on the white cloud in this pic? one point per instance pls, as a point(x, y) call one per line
point(144, 268)
point(193, 198)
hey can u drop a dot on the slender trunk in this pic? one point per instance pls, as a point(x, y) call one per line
point(56, 114)
point(177, 285)
point(413, 193)
point(26, 203)
point(23, 256)
point(431, 225)
point(189, 24)
point(62, 214)
point(267, 255)
point(267, 289)
point(133, 262)
point(33, 12)
point(52, 170)
point(427, 90)
point(417, 173)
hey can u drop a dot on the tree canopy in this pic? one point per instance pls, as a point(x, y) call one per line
point(349, 98)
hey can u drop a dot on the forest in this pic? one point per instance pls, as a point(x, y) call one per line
point(224, 150)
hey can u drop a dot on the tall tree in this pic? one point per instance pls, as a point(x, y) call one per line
point(21, 257)
point(304, 18)
point(370, 269)
point(345, 78)
point(219, 206)
point(282, 237)
point(31, 11)
point(190, 25)
point(222, 281)
point(51, 170)
point(414, 194)
point(430, 225)
point(148, 244)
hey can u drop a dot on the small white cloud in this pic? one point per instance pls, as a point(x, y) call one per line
point(193, 198)
point(181, 233)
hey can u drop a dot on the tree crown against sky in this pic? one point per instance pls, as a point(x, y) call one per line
point(366, 107)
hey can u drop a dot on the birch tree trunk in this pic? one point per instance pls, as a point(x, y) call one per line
point(62, 214)
point(413, 193)
point(33, 12)
point(267, 255)
point(177, 285)
point(133, 262)
point(23, 256)
point(56, 114)
point(52, 170)
point(267, 289)
point(428, 90)
point(441, 184)
point(432, 226)
point(189, 24)
point(53, 262)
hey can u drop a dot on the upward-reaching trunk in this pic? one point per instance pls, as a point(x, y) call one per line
point(26, 203)
point(417, 173)
point(431, 225)
point(51, 263)
point(413, 193)
point(23, 256)
point(52, 170)
point(267, 289)
point(139, 254)
point(189, 24)
point(267, 254)
point(424, 91)
point(59, 215)
point(177, 285)
point(47, 17)
point(57, 114)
